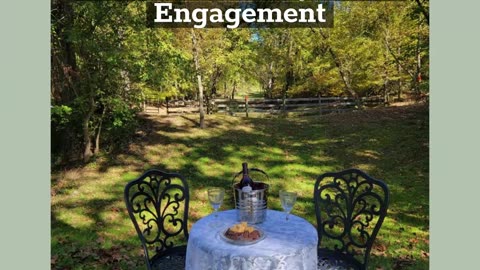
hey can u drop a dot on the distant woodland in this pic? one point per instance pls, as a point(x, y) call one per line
point(105, 62)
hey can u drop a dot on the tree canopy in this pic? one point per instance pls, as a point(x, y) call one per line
point(105, 61)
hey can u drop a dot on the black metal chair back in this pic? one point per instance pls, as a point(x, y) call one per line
point(157, 203)
point(350, 208)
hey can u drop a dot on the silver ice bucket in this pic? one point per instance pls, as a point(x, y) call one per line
point(251, 206)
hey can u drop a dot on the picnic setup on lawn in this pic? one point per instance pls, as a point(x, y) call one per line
point(314, 201)
point(262, 146)
point(350, 207)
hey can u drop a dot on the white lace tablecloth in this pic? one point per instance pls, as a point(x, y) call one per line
point(288, 245)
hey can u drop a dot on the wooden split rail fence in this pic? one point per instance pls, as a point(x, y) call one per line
point(320, 105)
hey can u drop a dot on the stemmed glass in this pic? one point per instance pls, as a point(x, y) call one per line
point(215, 196)
point(288, 199)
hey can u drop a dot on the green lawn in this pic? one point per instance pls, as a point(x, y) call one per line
point(91, 229)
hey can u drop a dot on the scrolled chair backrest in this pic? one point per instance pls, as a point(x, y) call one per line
point(157, 203)
point(350, 209)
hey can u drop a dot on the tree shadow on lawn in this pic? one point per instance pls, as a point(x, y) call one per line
point(224, 148)
point(293, 151)
point(392, 145)
point(380, 143)
point(288, 148)
point(81, 246)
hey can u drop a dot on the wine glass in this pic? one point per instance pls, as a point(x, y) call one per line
point(215, 196)
point(288, 199)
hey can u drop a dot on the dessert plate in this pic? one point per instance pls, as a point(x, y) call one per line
point(222, 235)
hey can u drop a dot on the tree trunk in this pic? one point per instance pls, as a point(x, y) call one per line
point(97, 140)
point(399, 67)
point(63, 76)
point(64, 66)
point(225, 89)
point(288, 74)
point(343, 73)
point(386, 91)
point(234, 89)
point(419, 64)
point(199, 79)
point(412, 73)
point(409, 72)
point(207, 101)
point(87, 153)
point(213, 89)
point(424, 11)
point(270, 81)
point(144, 101)
point(99, 131)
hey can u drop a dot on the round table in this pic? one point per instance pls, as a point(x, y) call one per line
point(288, 245)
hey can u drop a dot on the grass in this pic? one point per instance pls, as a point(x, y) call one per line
point(91, 229)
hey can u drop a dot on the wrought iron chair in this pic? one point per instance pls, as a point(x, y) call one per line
point(350, 208)
point(157, 203)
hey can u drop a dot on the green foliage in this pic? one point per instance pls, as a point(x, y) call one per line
point(121, 123)
point(107, 66)
point(103, 56)
point(60, 115)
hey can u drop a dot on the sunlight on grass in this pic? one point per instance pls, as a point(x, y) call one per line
point(368, 154)
point(75, 218)
point(364, 166)
point(88, 212)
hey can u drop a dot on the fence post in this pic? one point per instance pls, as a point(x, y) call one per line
point(246, 106)
point(319, 104)
point(359, 102)
point(214, 108)
point(166, 101)
point(206, 101)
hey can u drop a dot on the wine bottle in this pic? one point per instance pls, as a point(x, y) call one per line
point(246, 183)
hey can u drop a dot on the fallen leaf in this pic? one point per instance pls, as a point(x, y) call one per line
point(62, 240)
point(100, 240)
point(53, 259)
point(403, 261)
point(379, 249)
